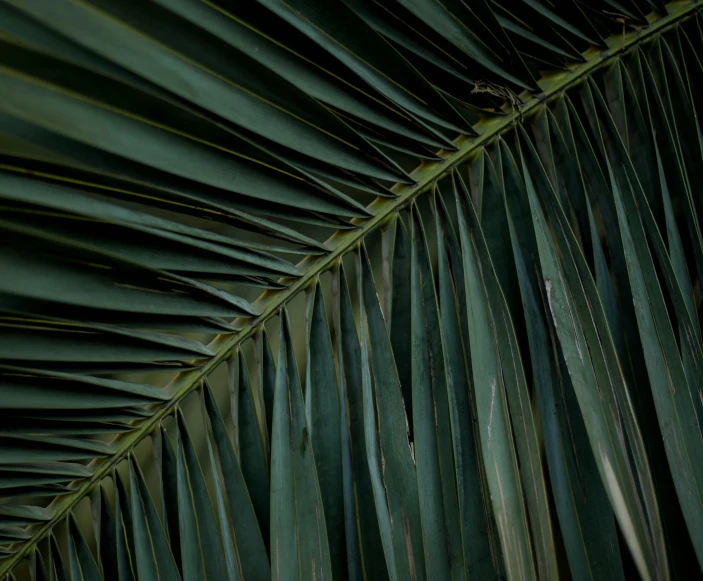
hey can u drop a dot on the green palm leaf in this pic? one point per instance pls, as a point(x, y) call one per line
point(510, 390)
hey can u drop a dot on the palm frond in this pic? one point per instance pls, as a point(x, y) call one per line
point(519, 396)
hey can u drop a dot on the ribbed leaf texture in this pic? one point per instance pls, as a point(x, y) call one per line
point(477, 229)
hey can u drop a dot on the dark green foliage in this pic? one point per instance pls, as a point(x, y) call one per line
point(510, 388)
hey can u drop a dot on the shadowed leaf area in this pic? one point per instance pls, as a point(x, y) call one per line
point(351, 290)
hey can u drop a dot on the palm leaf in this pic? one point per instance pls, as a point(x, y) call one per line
point(510, 389)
